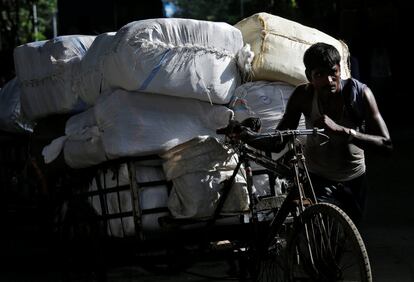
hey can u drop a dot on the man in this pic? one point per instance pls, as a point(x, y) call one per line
point(348, 112)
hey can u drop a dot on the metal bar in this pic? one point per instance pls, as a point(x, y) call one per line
point(104, 208)
point(119, 189)
point(136, 208)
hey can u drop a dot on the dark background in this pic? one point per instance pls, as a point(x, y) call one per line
point(98, 16)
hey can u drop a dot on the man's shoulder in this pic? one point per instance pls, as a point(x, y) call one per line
point(354, 98)
point(354, 84)
point(303, 92)
point(301, 97)
point(302, 89)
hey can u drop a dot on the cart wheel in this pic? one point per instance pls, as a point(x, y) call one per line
point(79, 239)
point(326, 246)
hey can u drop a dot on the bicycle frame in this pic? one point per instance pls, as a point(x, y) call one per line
point(298, 196)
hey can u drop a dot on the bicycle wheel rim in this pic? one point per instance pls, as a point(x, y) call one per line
point(326, 246)
point(270, 265)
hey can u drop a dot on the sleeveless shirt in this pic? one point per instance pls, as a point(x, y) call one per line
point(336, 160)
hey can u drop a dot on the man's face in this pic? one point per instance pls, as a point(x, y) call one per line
point(326, 80)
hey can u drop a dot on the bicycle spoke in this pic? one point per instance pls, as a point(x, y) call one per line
point(326, 248)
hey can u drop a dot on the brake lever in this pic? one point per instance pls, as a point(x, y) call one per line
point(325, 136)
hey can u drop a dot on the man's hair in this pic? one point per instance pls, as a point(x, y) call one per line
point(321, 55)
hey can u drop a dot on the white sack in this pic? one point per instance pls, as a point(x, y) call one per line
point(279, 45)
point(117, 202)
point(52, 151)
point(45, 70)
point(197, 169)
point(89, 79)
point(262, 185)
point(179, 57)
point(263, 99)
point(266, 100)
point(36, 60)
point(137, 124)
point(79, 122)
point(85, 149)
point(11, 116)
point(83, 146)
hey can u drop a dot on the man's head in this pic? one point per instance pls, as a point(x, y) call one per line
point(323, 69)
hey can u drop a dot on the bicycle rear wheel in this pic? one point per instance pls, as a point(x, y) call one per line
point(327, 246)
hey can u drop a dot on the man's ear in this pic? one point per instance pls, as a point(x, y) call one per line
point(308, 74)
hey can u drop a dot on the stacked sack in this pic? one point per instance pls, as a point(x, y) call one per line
point(125, 124)
point(198, 170)
point(12, 118)
point(45, 71)
point(279, 45)
point(118, 204)
point(178, 57)
point(46, 82)
point(266, 100)
point(175, 57)
point(151, 86)
point(88, 81)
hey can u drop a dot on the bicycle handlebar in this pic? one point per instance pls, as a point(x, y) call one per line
point(236, 128)
point(297, 132)
point(273, 142)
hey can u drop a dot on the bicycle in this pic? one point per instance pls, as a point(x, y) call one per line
point(286, 236)
point(305, 240)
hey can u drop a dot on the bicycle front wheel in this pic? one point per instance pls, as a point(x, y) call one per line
point(327, 246)
point(270, 265)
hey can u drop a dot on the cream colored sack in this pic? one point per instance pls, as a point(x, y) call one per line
point(279, 45)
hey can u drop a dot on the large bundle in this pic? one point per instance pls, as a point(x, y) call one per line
point(178, 57)
point(115, 198)
point(89, 80)
point(197, 169)
point(82, 145)
point(45, 70)
point(263, 99)
point(125, 124)
point(279, 45)
point(266, 100)
point(136, 124)
point(11, 116)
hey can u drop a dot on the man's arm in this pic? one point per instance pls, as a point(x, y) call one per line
point(376, 134)
point(293, 111)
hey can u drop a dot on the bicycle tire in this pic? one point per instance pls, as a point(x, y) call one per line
point(266, 259)
point(270, 265)
point(334, 251)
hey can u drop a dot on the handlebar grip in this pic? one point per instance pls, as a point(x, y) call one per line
point(222, 130)
point(232, 127)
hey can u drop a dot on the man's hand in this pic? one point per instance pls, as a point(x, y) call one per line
point(329, 125)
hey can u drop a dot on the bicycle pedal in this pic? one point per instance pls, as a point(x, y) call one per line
point(306, 202)
point(221, 245)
